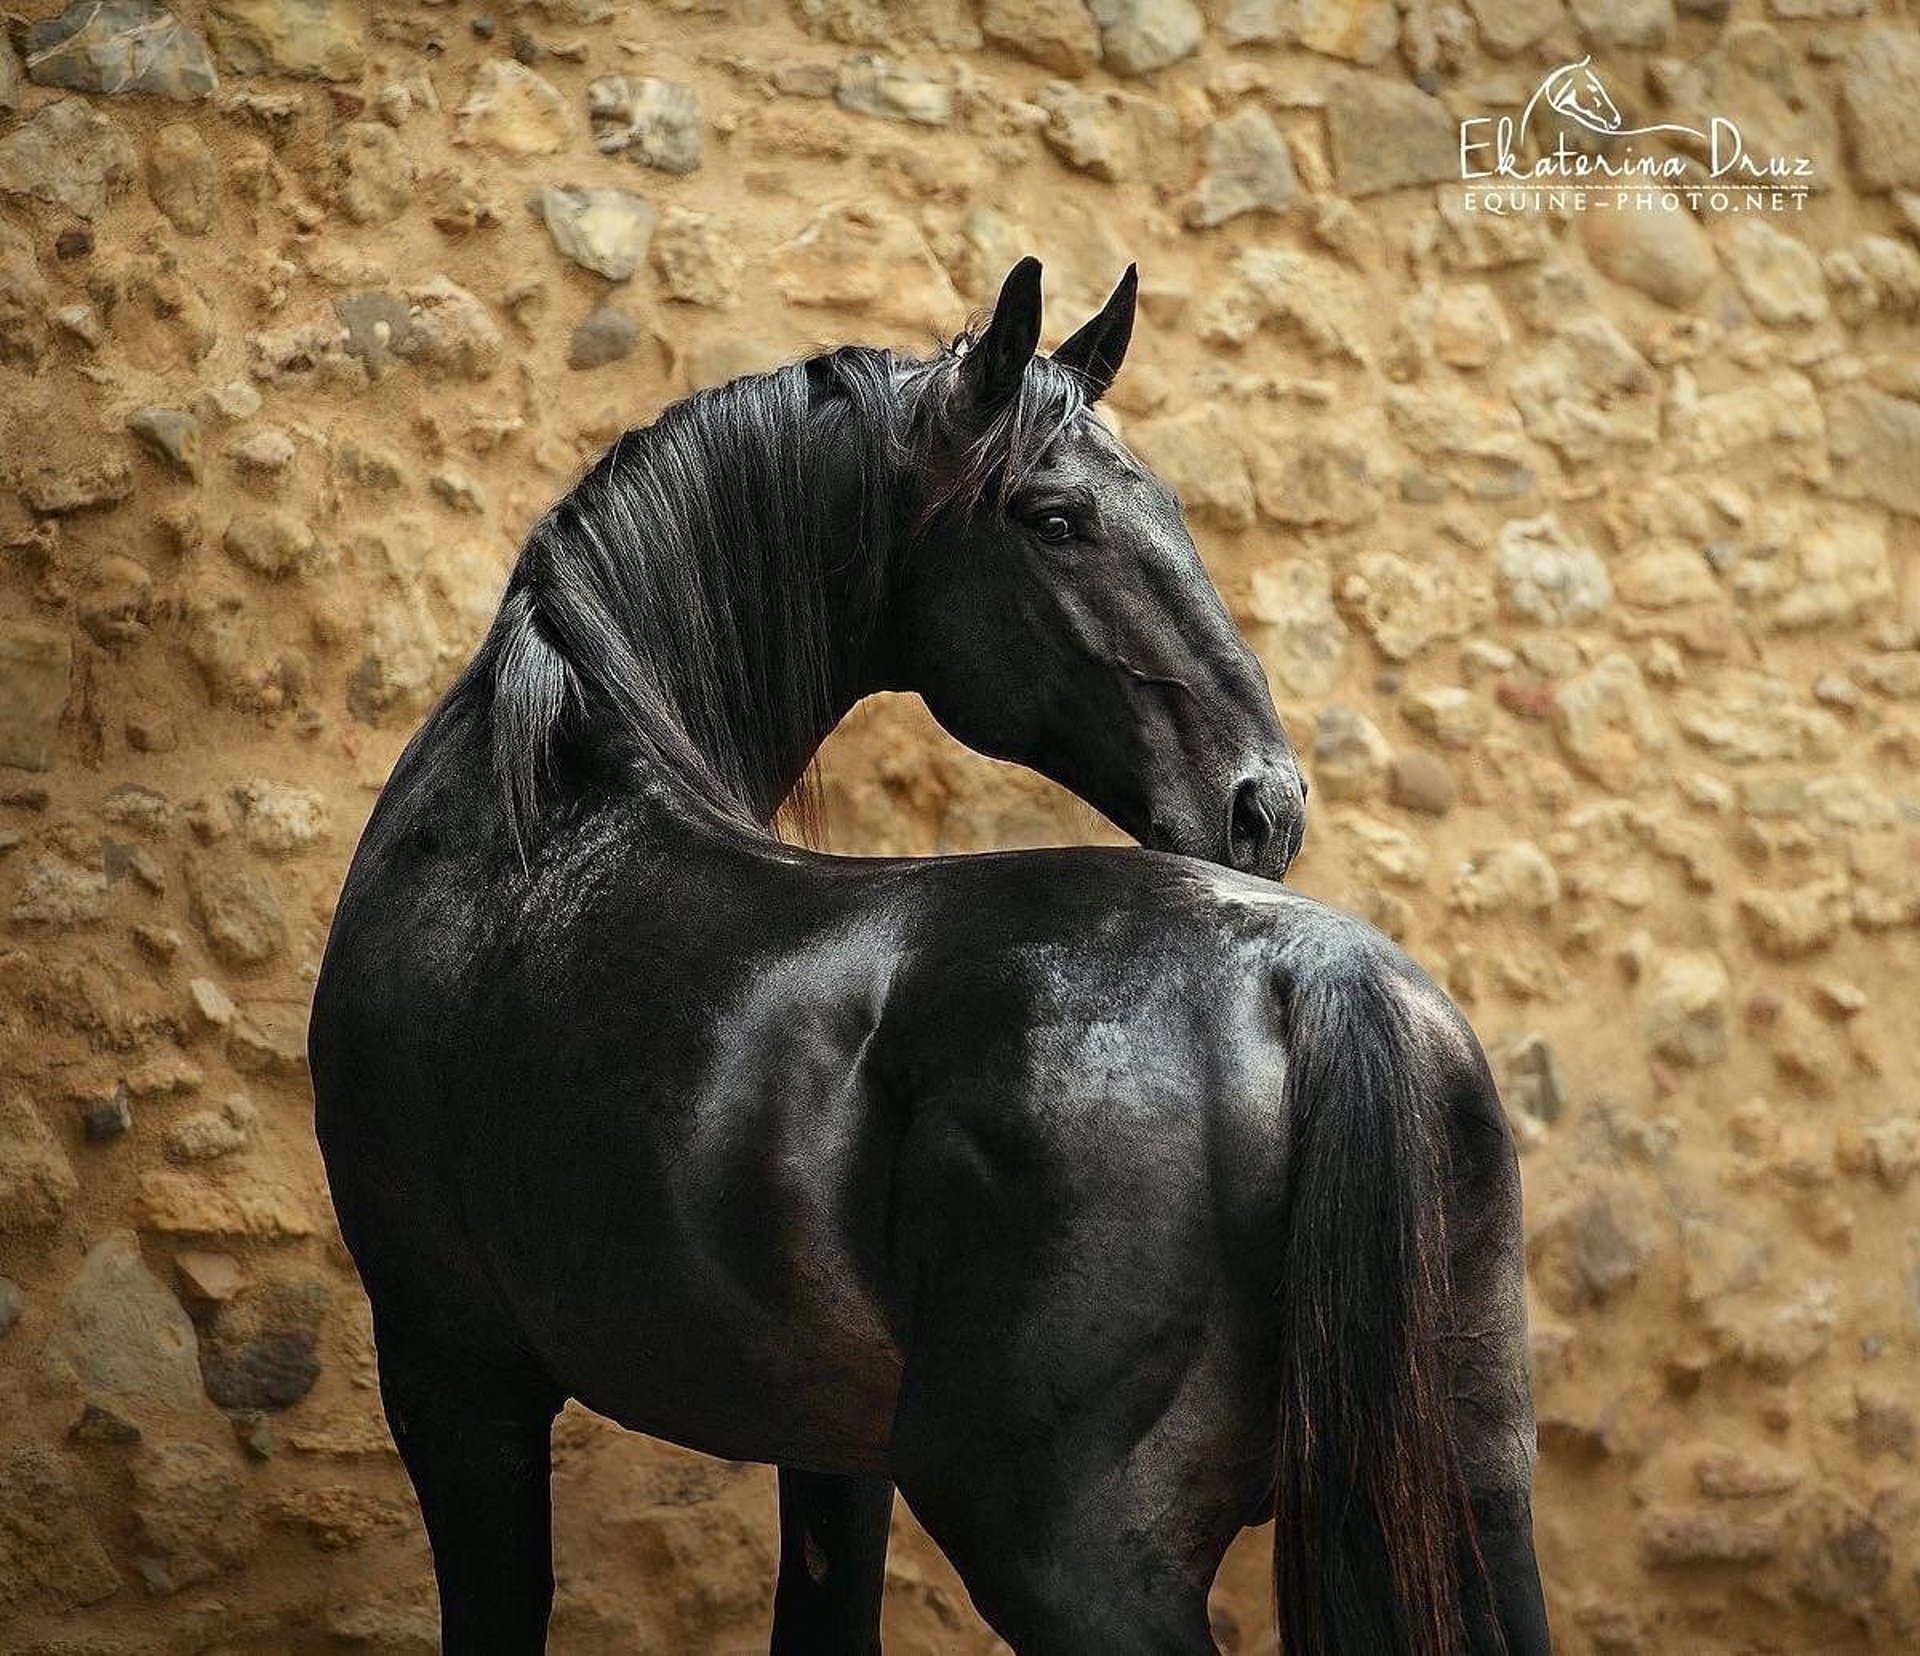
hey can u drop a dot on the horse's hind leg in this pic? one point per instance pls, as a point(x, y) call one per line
point(1489, 1392)
point(474, 1433)
point(1064, 1559)
point(833, 1564)
point(1084, 1463)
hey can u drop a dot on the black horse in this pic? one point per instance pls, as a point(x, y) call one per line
point(1104, 1201)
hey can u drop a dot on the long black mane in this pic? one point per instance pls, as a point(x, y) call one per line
point(682, 613)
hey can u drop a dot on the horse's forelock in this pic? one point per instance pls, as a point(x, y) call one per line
point(974, 463)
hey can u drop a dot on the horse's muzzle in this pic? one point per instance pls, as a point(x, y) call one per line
point(1266, 820)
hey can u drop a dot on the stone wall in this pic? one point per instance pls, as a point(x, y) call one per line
point(1581, 546)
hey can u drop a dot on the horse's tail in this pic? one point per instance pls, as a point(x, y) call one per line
point(1370, 1502)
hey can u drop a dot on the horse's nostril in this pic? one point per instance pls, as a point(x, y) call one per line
point(1249, 825)
point(1306, 787)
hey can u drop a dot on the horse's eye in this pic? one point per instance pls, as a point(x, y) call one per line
point(1053, 527)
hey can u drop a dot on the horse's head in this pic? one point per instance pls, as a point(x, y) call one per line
point(1578, 93)
point(1055, 612)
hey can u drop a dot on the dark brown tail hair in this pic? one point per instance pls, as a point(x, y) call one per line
point(1372, 1521)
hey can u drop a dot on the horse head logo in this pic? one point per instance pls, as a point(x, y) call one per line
point(1577, 93)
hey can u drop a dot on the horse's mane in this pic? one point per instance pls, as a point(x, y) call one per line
point(678, 614)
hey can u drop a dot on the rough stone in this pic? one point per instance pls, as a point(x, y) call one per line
point(1780, 412)
point(1297, 632)
point(1752, 718)
point(37, 1182)
point(269, 542)
point(853, 257)
point(206, 1135)
point(1115, 137)
point(280, 818)
point(450, 332)
point(1847, 1561)
point(237, 910)
point(1387, 135)
point(1056, 34)
point(113, 46)
point(1248, 170)
point(13, 1305)
point(1880, 102)
point(208, 1278)
point(70, 155)
point(944, 24)
point(26, 305)
point(1530, 1079)
point(1831, 572)
point(653, 122)
point(58, 896)
point(1407, 607)
point(1310, 295)
point(1449, 713)
point(1460, 324)
point(373, 174)
point(604, 335)
point(194, 1517)
point(266, 452)
point(1677, 1540)
point(307, 39)
point(1873, 438)
point(186, 1204)
point(1517, 876)
point(1629, 25)
point(1420, 781)
point(511, 109)
point(1451, 424)
point(1350, 755)
point(1316, 476)
point(260, 1350)
point(1197, 453)
point(1797, 920)
point(1608, 725)
point(697, 258)
point(1777, 274)
point(119, 1336)
point(114, 1119)
point(1588, 392)
point(269, 1038)
point(172, 434)
point(1549, 578)
point(1777, 1339)
point(607, 231)
point(1686, 1013)
point(378, 329)
point(1666, 576)
point(1592, 1245)
point(1386, 852)
point(1666, 256)
point(181, 178)
point(36, 668)
point(115, 601)
point(51, 1556)
point(1359, 31)
point(1508, 27)
point(877, 86)
point(1728, 1475)
point(1140, 36)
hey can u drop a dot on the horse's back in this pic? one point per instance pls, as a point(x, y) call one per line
point(1107, 1030)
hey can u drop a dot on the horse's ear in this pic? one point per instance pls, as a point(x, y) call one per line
point(996, 362)
point(1097, 350)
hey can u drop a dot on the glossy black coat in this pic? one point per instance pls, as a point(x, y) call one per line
point(989, 1177)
